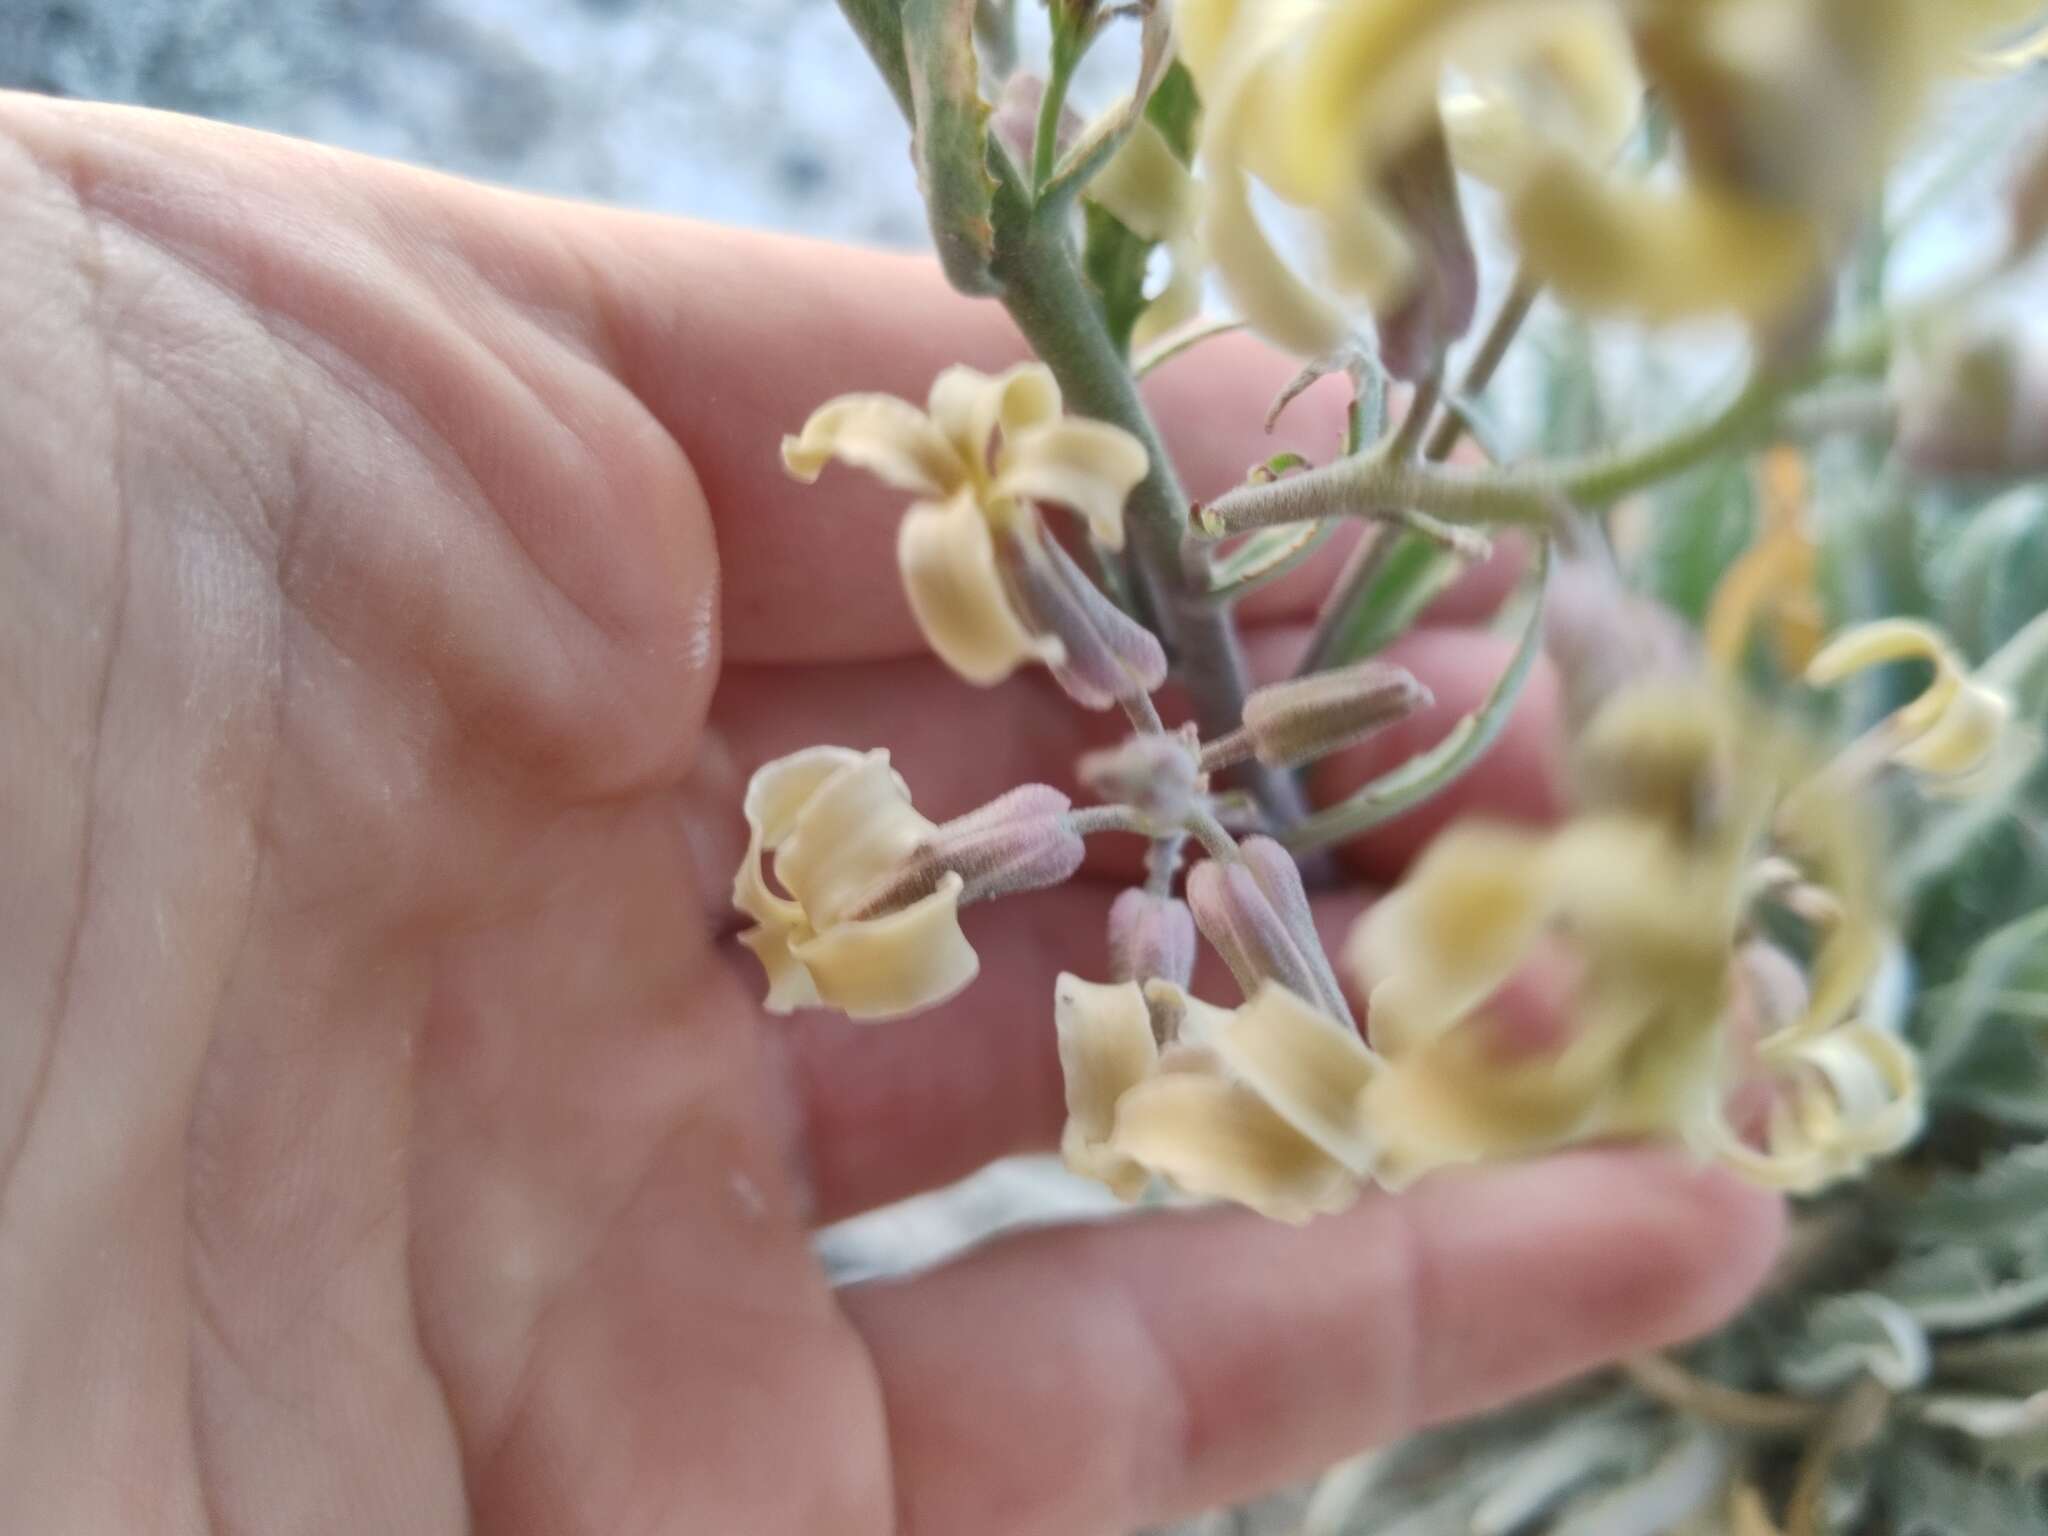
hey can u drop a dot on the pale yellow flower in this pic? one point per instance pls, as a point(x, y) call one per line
point(1259, 1105)
point(1843, 1099)
point(839, 825)
point(1788, 112)
point(982, 451)
point(1952, 733)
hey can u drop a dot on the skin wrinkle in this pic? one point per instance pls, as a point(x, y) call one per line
point(92, 265)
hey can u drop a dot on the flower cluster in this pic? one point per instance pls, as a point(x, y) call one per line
point(1787, 113)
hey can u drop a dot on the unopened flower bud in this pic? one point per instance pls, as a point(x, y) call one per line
point(1255, 912)
point(1020, 841)
point(1108, 655)
point(1976, 405)
point(1310, 717)
point(1158, 773)
point(1151, 938)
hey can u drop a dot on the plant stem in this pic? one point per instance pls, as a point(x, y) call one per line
point(1533, 495)
point(1674, 1386)
point(1044, 293)
point(1043, 290)
point(1045, 144)
point(1338, 615)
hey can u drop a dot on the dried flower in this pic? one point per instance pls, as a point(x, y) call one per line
point(840, 826)
point(984, 449)
point(1952, 733)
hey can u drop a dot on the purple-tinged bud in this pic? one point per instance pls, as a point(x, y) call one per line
point(1151, 938)
point(1255, 913)
point(1109, 655)
point(1976, 405)
point(1158, 773)
point(1019, 841)
point(1311, 717)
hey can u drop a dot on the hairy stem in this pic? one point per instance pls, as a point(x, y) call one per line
point(1533, 495)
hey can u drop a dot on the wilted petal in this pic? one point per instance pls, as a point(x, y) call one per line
point(1215, 1138)
point(1089, 466)
point(898, 964)
point(1309, 1068)
point(969, 406)
point(890, 438)
point(1106, 1049)
point(947, 557)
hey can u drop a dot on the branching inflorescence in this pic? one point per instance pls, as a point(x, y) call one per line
point(1715, 898)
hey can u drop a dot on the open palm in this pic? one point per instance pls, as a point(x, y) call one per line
point(395, 591)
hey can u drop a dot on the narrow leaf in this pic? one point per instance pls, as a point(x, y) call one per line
point(1845, 1337)
point(1266, 556)
point(1422, 776)
point(950, 140)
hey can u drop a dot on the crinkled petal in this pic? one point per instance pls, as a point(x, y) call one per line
point(1216, 1138)
point(948, 561)
point(890, 438)
point(1956, 748)
point(790, 986)
point(889, 966)
point(776, 796)
point(1090, 466)
point(1310, 1069)
point(1888, 640)
point(1106, 1049)
point(854, 831)
point(1573, 87)
point(969, 406)
point(1627, 248)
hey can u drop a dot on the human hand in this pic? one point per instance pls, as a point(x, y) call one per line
point(396, 586)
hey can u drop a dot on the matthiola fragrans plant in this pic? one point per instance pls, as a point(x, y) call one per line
point(1800, 900)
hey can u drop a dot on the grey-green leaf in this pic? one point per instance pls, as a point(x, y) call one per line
point(950, 139)
point(1845, 1337)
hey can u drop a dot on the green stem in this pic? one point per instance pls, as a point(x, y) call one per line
point(1045, 145)
point(1046, 297)
point(1533, 495)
